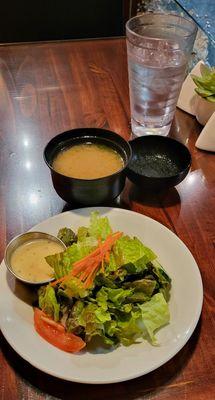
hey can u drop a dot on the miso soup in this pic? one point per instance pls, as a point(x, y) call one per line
point(88, 161)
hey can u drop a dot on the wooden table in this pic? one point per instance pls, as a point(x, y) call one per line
point(49, 88)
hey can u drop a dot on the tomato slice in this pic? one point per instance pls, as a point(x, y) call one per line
point(55, 333)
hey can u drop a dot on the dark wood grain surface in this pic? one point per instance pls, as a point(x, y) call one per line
point(49, 88)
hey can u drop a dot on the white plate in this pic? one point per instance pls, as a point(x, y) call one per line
point(16, 315)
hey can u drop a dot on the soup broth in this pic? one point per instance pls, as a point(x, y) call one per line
point(88, 161)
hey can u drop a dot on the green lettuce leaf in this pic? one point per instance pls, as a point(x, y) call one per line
point(80, 249)
point(112, 265)
point(48, 302)
point(143, 290)
point(146, 286)
point(128, 329)
point(102, 316)
point(73, 288)
point(111, 329)
point(138, 297)
point(154, 315)
point(102, 280)
point(118, 296)
point(141, 322)
point(73, 321)
point(82, 233)
point(89, 320)
point(73, 324)
point(115, 296)
point(99, 226)
point(102, 298)
point(162, 278)
point(67, 236)
point(62, 262)
point(132, 254)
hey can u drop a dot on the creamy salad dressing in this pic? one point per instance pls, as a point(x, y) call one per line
point(28, 260)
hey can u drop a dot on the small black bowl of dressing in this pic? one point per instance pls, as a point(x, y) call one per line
point(158, 162)
point(88, 165)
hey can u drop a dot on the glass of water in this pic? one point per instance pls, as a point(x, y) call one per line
point(158, 49)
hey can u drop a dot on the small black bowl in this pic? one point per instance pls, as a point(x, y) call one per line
point(88, 191)
point(158, 162)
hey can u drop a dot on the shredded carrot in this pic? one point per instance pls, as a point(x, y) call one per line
point(107, 258)
point(90, 279)
point(84, 274)
point(103, 267)
point(86, 268)
point(94, 253)
point(101, 252)
point(54, 283)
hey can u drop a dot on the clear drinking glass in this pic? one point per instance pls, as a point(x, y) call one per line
point(158, 49)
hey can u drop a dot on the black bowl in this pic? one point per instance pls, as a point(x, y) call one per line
point(88, 191)
point(158, 162)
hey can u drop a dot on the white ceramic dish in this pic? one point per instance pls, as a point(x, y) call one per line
point(124, 363)
point(187, 97)
point(206, 140)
